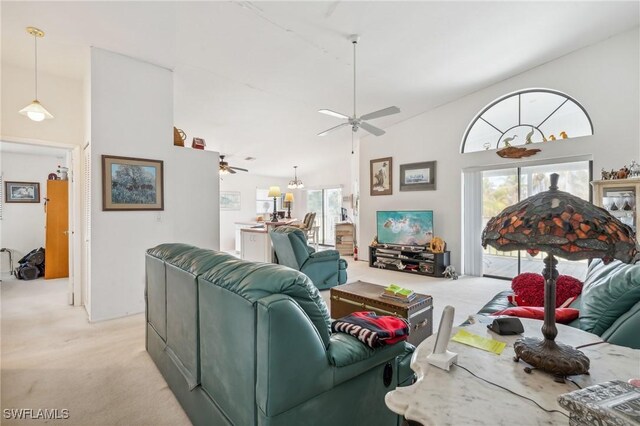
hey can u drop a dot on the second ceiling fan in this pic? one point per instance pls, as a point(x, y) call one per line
point(354, 121)
point(226, 169)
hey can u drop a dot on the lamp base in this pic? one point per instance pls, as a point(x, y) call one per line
point(555, 358)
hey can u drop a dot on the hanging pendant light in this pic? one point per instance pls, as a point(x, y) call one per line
point(295, 183)
point(35, 111)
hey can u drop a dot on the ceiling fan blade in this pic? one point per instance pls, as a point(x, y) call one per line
point(372, 129)
point(332, 129)
point(230, 170)
point(333, 113)
point(381, 113)
point(238, 168)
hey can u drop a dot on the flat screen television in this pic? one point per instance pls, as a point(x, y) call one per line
point(405, 227)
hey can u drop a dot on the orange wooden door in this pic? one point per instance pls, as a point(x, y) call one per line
point(56, 255)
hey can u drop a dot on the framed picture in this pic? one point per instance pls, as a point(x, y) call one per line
point(132, 184)
point(22, 192)
point(418, 176)
point(380, 176)
point(229, 200)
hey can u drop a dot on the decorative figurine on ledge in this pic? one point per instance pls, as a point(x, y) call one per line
point(527, 139)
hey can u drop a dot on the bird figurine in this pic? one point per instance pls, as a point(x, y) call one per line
point(563, 135)
point(527, 139)
point(552, 138)
point(508, 140)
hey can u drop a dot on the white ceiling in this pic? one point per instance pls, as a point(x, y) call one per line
point(29, 149)
point(250, 76)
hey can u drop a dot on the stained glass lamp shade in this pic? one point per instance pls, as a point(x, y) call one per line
point(559, 224)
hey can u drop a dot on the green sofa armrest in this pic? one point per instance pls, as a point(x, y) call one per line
point(292, 365)
point(352, 357)
point(324, 256)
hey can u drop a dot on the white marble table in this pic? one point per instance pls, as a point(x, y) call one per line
point(457, 398)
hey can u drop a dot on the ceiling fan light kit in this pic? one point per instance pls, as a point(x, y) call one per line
point(354, 121)
point(35, 111)
point(295, 183)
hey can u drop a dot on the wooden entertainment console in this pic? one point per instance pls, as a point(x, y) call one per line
point(412, 259)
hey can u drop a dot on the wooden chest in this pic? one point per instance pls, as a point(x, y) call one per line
point(362, 296)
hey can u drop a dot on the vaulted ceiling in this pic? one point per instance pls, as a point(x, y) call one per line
point(250, 76)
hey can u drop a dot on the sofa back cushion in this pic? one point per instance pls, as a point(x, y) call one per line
point(156, 286)
point(253, 281)
point(290, 245)
point(609, 291)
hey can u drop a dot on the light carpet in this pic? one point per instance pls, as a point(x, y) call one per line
point(52, 357)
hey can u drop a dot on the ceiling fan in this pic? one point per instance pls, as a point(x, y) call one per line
point(226, 169)
point(354, 121)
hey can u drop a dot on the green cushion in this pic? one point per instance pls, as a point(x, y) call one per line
point(253, 281)
point(352, 357)
point(609, 292)
point(624, 331)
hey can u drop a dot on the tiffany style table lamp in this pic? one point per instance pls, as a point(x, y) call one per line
point(559, 224)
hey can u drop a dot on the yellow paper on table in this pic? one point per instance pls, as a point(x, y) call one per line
point(489, 345)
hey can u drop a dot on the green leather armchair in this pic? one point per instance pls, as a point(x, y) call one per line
point(247, 344)
point(325, 268)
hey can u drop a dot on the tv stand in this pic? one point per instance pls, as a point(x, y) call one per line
point(412, 259)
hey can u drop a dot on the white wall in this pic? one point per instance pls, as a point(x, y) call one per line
point(62, 96)
point(246, 184)
point(132, 116)
point(23, 224)
point(603, 77)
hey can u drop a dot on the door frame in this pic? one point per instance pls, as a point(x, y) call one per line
point(75, 286)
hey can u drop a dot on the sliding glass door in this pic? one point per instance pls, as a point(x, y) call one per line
point(326, 204)
point(501, 188)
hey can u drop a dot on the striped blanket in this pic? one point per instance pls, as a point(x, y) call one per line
point(372, 330)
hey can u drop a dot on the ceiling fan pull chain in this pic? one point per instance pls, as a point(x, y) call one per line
point(354, 79)
point(351, 143)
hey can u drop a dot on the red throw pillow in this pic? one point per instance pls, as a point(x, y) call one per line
point(563, 315)
point(529, 289)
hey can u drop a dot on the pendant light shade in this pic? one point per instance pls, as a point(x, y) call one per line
point(295, 183)
point(35, 111)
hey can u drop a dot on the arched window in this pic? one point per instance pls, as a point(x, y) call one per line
point(526, 116)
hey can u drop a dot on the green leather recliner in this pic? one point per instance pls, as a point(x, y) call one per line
point(325, 268)
point(242, 343)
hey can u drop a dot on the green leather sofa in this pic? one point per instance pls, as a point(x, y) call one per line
point(609, 304)
point(325, 268)
point(242, 343)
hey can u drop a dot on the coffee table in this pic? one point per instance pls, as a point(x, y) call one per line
point(456, 397)
point(363, 296)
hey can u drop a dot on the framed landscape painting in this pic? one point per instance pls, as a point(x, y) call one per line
point(22, 192)
point(380, 176)
point(418, 176)
point(132, 183)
